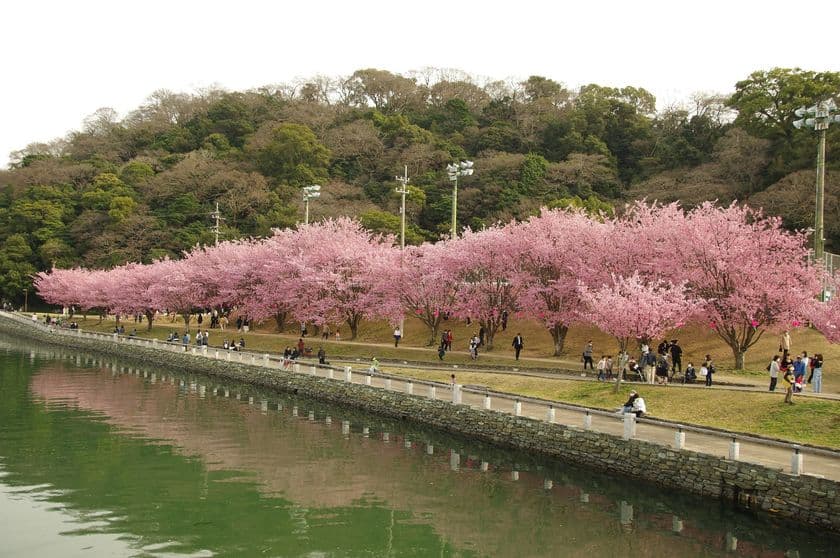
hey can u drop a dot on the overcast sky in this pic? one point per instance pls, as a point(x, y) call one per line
point(64, 60)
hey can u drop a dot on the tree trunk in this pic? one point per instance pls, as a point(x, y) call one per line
point(739, 357)
point(150, 315)
point(353, 322)
point(280, 318)
point(186, 316)
point(622, 348)
point(558, 334)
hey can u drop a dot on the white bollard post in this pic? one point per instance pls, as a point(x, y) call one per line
point(265, 359)
point(366, 432)
point(388, 384)
point(328, 420)
point(368, 379)
point(407, 443)
point(264, 405)
point(514, 475)
point(485, 466)
point(216, 354)
point(734, 449)
point(430, 449)
point(456, 394)
point(311, 415)
point(454, 460)
point(227, 356)
point(796, 461)
point(386, 437)
point(345, 428)
point(551, 415)
point(432, 392)
point(253, 359)
point(587, 421)
point(629, 426)
point(204, 350)
point(348, 374)
point(409, 388)
point(548, 484)
point(517, 408)
point(294, 411)
point(296, 368)
point(679, 438)
point(330, 373)
point(313, 370)
point(487, 402)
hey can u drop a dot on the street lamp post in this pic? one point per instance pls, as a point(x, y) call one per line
point(464, 168)
point(309, 193)
point(822, 114)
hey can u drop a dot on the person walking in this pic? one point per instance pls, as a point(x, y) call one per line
point(602, 368)
point(397, 336)
point(518, 343)
point(676, 358)
point(789, 380)
point(587, 355)
point(773, 368)
point(816, 375)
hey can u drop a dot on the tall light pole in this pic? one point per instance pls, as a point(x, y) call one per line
point(309, 193)
point(464, 168)
point(822, 114)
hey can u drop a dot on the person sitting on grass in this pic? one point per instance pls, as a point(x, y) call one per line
point(690, 374)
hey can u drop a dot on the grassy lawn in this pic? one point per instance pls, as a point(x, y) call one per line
point(809, 421)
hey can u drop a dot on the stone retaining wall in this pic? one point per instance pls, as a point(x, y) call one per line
point(804, 499)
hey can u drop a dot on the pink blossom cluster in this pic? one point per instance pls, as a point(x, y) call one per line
point(653, 268)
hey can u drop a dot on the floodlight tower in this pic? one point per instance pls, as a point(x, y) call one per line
point(821, 115)
point(309, 193)
point(464, 168)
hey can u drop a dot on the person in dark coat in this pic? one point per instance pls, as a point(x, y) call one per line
point(518, 343)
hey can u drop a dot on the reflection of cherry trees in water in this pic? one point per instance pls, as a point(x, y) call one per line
point(319, 457)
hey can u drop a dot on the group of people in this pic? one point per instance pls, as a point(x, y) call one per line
point(796, 372)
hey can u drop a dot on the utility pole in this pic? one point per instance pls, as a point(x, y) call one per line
point(216, 228)
point(402, 190)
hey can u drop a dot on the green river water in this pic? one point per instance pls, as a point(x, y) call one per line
point(101, 457)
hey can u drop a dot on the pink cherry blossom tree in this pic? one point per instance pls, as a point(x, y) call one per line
point(559, 251)
point(333, 260)
point(630, 308)
point(483, 266)
point(751, 274)
point(174, 288)
point(416, 283)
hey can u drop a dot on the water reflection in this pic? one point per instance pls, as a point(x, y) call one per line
point(327, 477)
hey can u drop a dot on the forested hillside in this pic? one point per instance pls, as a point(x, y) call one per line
point(142, 187)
